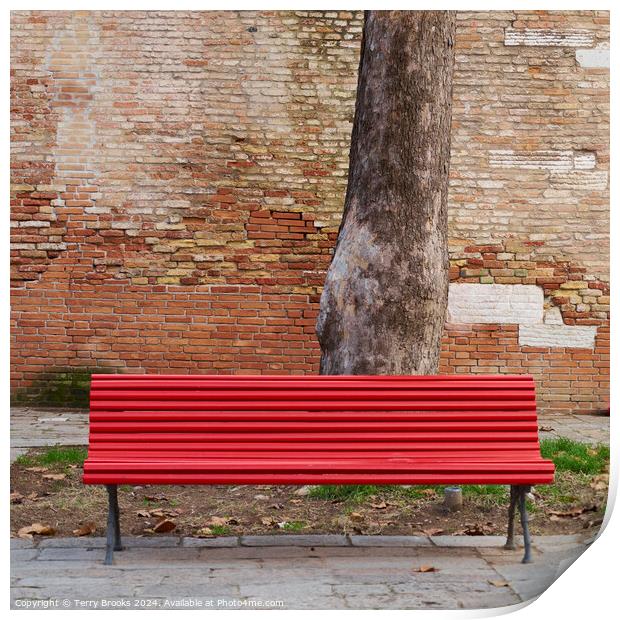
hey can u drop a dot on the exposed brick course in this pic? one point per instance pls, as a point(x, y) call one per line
point(178, 181)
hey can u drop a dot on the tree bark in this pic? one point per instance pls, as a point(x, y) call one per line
point(384, 303)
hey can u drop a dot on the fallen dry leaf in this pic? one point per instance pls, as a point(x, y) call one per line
point(86, 530)
point(156, 498)
point(475, 530)
point(600, 482)
point(16, 497)
point(574, 512)
point(356, 516)
point(37, 469)
point(205, 532)
point(434, 531)
point(217, 521)
point(36, 528)
point(271, 521)
point(166, 525)
point(55, 476)
point(379, 506)
point(164, 512)
point(425, 569)
point(143, 513)
point(497, 583)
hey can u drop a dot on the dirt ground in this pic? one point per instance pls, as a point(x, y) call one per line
point(55, 498)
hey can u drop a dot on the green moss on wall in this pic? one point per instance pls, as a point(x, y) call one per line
point(60, 387)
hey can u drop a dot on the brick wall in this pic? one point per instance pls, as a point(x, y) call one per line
point(178, 180)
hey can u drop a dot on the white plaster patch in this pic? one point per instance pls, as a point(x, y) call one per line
point(544, 37)
point(520, 304)
point(584, 160)
point(495, 303)
point(558, 161)
point(593, 58)
point(576, 337)
point(554, 161)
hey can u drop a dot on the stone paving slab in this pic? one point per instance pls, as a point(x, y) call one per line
point(295, 540)
point(219, 541)
point(390, 541)
point(589, 428)
point(468, 541)
point(169, 572)
point(34, 427)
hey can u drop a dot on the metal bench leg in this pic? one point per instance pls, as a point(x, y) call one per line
point(510, 538)
point(523, 491)
point(113, 541)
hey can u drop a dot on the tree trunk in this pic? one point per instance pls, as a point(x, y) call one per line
point(384, 303)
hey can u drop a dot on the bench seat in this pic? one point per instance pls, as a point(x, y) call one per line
point(179, 429)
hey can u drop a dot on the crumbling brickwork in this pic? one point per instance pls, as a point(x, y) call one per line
point(178, 181)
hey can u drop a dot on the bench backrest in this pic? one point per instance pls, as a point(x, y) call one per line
point(451, 416)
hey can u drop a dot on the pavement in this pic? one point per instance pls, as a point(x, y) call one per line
point(286, 571)
point(36, 427)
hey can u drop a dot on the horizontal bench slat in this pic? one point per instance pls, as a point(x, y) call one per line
point(316, 397)
point(328, 386)
point(311, 378)
point(479, 455)
point(275, 405)
point(291, 416)
point(277, 426)
point(443, 436)
point(319, 466)
point(264, 446)
point(307, 478)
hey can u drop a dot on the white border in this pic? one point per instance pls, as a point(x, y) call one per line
point(588, 587)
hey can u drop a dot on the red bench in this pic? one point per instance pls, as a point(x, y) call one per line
point(178, 429)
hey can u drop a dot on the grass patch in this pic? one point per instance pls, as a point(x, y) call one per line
point(220, 530)
point(56, 455)
point(293, 526)
point(24, 460)
point(357, 494)
point(574, 456)
point(344, 492)
point(566, 489)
